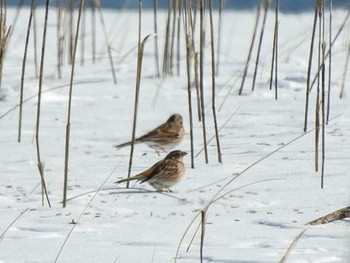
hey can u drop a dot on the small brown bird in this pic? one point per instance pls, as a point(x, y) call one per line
point(163, 174)
point(164, 137)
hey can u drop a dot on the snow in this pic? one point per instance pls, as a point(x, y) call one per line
point(264, 209)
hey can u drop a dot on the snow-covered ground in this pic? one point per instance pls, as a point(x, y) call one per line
point(265, 208)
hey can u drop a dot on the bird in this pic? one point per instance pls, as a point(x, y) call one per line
point(165, 137)
point(163, 174)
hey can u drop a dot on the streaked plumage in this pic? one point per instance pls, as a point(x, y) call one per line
point(164, 137)
point(163, 174)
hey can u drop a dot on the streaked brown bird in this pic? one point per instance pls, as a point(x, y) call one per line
point(163, 174)
point(165, 137)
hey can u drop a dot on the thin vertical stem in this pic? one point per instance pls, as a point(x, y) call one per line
point(307, 91)
point(24, 70)
point(323, 138)
point(189, 54)
point(329, 61)
point(156, 49)
point(251, 47)
point(41, 76)
point(267, 4)
point(213, 81)
point(218, 50)
point(66, 156)
point(201, 75)
point(93, 32)
point(137, 91)
point(58, 36)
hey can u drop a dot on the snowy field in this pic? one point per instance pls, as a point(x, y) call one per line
point(265, 208)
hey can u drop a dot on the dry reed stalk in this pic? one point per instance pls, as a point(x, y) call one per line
point(82, 36)
point(196, 81)
point(329, 60)
point(203, 223)
point(178, 49)
point(337, 215)
point(4, 36)
point(266, 11)
point(23, 71)
point(274, 61)
point(213, 81)
point(70, 8)
point(290, 248)
point(110, 57)
point(35, 51)
point(59, 39)
point(307, 90)
point(218, 50)
point(156, 49)
point(166, 68)
point(341, 28)
point(70, 97)
point(141, 45)
point(320, 65)
point(342, 90)
point(41, 164)
point(74, 223)
point(323, 99)
point(251, 47)
point(11, 224)
point(201, 76)
point(93, 32)
point(189, 55)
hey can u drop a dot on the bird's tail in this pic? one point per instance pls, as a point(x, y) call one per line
point(119, 146)
point(126, 180)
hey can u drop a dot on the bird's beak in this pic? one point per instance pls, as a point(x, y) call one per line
point(184, 153)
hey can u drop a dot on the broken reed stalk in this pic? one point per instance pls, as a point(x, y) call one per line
point(59, 40)
point(189, 55)
point(24, 70)
point(336, 215)
point(201, 75)
point(266, 11)
point(66, 152)
point(213, 81)
point(40, 164)
point(251, 47)
point(329, 61)
point(218, 49)
point(307, 91)
point(109, 52)
point(156, 49)
point(274, 61)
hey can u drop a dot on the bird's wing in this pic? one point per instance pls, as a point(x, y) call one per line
point(161, 168)
point(159, 133)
